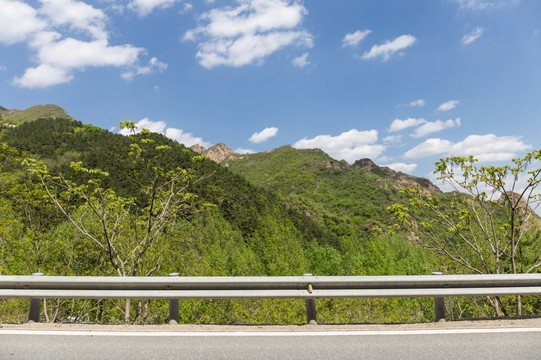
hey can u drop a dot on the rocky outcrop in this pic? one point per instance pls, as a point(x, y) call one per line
point(198, 148)
point(399, 179)
point(217, 153)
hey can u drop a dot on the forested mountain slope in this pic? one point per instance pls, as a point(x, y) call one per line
point(15, 117)
point(244, 230)
point(343, 197)
point(284, 212)
point(61, 141)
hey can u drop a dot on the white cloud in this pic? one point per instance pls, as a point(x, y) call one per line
point(3, 68)
point(428, 148)
point(153, 65)
point(387, 49)
point(243, 151)
point(481, 5)
point(59, 59)
point(301, 61)
point(145, 7)
point(398, 125)
point(160, 127)
point(471, 37)
point(53, 32)
point(43, 76)
point(18, 21)
point(355, 38)
point(393, 139)
point(248, 33)
point(248, 49)
point(185, 138)
point(417, 103)
point(77, 15)
point(473, 4)
point(484, 147)
point(350, 145)
point(448, 105)
point(405, 168)
point(187, 7)
point(75, 54)
point(490, 147)
point(435, 126)
point(263, 135)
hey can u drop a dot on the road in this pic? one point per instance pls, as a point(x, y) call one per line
point(472, 343)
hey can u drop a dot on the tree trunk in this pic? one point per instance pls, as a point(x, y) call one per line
point(496, 305)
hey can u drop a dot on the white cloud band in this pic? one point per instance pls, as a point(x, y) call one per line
point(484, 147)
point(248, 33)
point(355, 38)
point(52, 31)
point(435, 126)
point(263, 135)
point(350, 145)
point(389, 48)
point(160, 127)
point(448, 105)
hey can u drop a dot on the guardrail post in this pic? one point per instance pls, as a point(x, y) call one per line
point(35, 306)
point(173, 307)
point(439, 304)
point(311, 315)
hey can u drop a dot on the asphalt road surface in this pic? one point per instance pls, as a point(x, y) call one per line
point(501, 343)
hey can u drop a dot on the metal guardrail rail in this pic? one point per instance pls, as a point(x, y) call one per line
point(308, 287)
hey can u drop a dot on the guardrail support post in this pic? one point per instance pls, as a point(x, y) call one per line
point(173, 307)
point(311, 315)
point(439, 304)
point(35, 306)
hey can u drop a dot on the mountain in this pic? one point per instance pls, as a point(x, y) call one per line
point(16, 117)
point(340, 196)
point(218, 153)
point(63, 140)
point(283, 212)
point(314, 188)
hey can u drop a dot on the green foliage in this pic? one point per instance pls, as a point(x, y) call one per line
point(301, 212)
point(34, 113)
point(488, 225)
point(485, 222)
point(344, 199)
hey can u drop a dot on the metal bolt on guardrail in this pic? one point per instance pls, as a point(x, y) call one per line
point(311, 315)
point(35, 306)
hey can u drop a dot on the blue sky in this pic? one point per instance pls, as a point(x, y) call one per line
point(401, 82)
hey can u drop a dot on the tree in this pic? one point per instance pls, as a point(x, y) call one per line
point(488, 224)
point(30, 207)
point(126, 229)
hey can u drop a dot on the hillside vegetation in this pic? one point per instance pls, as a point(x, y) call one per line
point(240, 229)
point(16, 117)
point(76, 199)
point(344, 198)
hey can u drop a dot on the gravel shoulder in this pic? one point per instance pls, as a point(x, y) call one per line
point(462, 324)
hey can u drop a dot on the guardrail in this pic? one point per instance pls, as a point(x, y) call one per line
point(308, 287)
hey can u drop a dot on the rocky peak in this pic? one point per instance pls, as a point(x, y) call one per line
point(198, 148)
point(366, 164)
point(218, 153)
